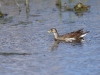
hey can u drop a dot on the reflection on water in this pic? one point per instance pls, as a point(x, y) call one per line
point(6, 20)
point(72, 14)
point(55, 45)
point(74, 43)
point(24, 40)
point(27, 8)
point(18, 6)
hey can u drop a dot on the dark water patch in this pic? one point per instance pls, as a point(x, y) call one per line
point(9, 54)
point(22, 23)
point(6, 20)
point(3, 15)
point(37, 15)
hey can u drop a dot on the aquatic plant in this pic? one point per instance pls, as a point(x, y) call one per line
point(79, 7)
point(1, 14)
point(59, 3)
point(18, 6)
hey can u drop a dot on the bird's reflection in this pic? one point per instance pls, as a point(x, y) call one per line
point(79, 14)
point(74, 43)
point(55, 45)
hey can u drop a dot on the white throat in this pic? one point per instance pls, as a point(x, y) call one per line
point(55, 35)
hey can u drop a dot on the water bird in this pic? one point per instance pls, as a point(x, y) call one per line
point(68, 37)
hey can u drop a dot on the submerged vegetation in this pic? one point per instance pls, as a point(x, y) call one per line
point(1, 15)
point(59, 3)
point(79, 7)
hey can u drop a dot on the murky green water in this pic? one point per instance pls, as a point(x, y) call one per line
point(27, 49)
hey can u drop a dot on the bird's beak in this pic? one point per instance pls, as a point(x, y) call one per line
point(49, 31)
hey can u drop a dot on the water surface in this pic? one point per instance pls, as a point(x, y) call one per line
point(27, 49)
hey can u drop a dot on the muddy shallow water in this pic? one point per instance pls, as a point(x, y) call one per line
point(27, 49)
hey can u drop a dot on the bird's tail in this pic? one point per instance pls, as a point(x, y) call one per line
point(84, 34)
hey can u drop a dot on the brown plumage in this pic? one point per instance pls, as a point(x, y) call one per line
point(69, 37)
point(86, 7)
point(80, 6)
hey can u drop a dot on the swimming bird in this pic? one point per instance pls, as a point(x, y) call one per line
point(68, 37)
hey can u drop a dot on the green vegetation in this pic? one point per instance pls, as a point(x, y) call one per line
point(80, 7)
point(59, 3)
point(1, 14)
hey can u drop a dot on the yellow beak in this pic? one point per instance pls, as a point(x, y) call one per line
point(49, 31)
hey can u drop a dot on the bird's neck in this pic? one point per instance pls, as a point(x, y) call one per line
point(56, 35)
